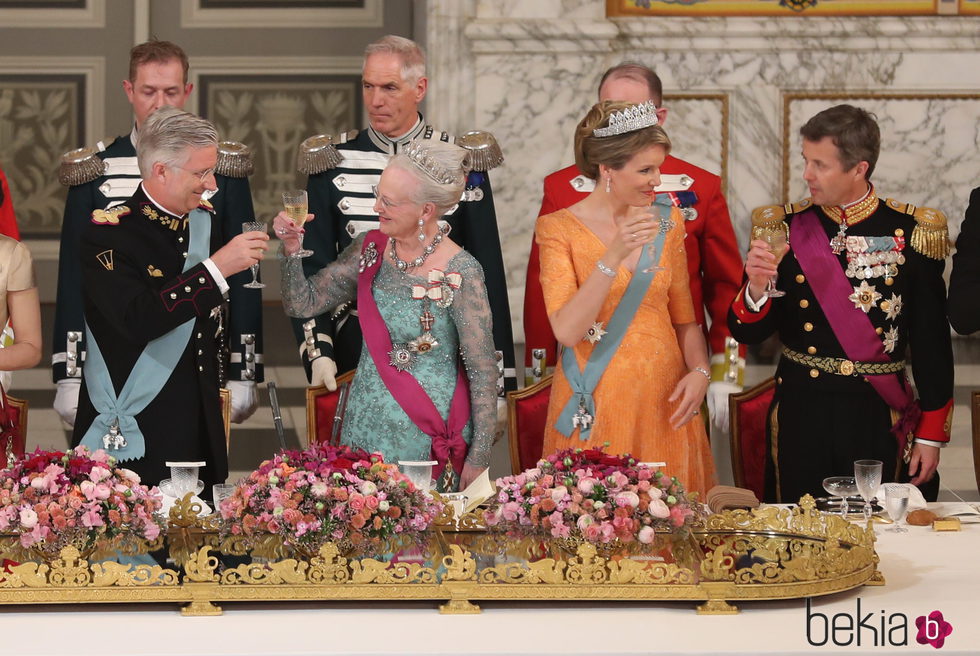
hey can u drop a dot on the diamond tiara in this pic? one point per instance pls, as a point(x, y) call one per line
point(635, 117)
point(419, 154)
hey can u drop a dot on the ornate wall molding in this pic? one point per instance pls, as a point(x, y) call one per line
point(90, 14)
point(193, 15)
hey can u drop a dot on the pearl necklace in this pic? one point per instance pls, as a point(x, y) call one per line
point(426, 252)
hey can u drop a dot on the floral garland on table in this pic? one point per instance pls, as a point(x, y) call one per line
point(329, 494)
point(588, 495)
point(53, 499)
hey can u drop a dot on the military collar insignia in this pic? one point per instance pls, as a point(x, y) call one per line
point(110, 216)
point(105, 259)
point(391, 146)
point(854, 213)
point(161, 217)
point(206, 205)
point(153, 271)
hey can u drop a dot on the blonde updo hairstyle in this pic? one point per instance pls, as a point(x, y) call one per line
point(616, 150)
point(445, 156)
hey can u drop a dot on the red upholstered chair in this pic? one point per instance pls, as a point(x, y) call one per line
point(748, 412)
point(17, 410)
point(527, 412)
point(321, 410)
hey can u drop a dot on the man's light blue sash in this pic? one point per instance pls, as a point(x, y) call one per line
point(151, 372)
point(583, 384)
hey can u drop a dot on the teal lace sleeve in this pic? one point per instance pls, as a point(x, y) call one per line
point(471, 313)
point(329, 287)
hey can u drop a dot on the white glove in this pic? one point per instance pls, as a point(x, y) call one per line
point(66, 399)
point(718, 392)
point(5, 380)
point(324, 373)
point(244, 399)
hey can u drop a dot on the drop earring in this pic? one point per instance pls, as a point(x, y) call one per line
point(421, 232)
point(607, 185)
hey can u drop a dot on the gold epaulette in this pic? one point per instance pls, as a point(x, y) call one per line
point(234, 160)
point(80, 166)
point(485, 153)
point(318, 153)
point(798, 206)
point(931, 233)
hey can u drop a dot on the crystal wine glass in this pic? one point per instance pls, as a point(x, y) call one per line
point(867, 474)
point(654, 212)
point(843, 487)
point(254, 226)
point(297, 207)
point(897, 506)
point(776, 235)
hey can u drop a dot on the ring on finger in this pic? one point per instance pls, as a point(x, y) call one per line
point(695, 412)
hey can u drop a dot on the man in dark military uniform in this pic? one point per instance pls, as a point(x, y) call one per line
point(342, 172)
point(863, 284)
point(154, 276)
point(105, 177)
point(964, 279)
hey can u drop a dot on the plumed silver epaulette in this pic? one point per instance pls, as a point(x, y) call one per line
point(317, 154)
point(484, 150)
point(80, 166)
point(234, 160)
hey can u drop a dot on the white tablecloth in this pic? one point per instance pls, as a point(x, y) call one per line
point(925, 571)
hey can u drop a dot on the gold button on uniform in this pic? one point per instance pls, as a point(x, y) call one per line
point(879, 330)
point(804, 303)
point(800, 278)
point(889, 281)
point(811, 350)
point(814, 373)
point(884, 305)
point(808, 326)
point(899, 232)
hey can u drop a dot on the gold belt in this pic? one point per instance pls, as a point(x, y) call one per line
point(842, 366)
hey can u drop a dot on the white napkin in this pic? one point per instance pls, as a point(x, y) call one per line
point(966, 513)
point(916, 500)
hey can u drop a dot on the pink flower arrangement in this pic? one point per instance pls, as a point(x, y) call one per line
point(56, 498)
point(593, 496)
point(329, 494)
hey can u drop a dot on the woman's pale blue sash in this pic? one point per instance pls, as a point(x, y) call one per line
point(148, 377)
point(579, 412)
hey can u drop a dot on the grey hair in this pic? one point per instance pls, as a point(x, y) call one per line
point(411, 54)
point(167, 134)
point(446, 156)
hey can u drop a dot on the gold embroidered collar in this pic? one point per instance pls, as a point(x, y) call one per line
point(856, 212)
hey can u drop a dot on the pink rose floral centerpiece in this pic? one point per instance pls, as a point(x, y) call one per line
point(586, 495)
point(329, 494)
point(53, 499)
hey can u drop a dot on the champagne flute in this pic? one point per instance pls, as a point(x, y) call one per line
point(254, 226)
point(897, 506)
point(297, 207)
point(654, 211)
point(843, 487)
point(867, 474)
point(777, 237)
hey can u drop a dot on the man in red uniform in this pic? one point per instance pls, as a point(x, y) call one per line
point(713, 255)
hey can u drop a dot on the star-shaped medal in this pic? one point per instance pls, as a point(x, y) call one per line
point(595, 333)
point(890, 338)
point(865, 297)
point(894, 307)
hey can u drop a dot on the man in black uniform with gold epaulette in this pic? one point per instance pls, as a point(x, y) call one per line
point(342, 174)
point(104, 177)
point(154, 279)
point(864, 295)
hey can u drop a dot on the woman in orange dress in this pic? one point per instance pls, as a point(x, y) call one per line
point(635, 367)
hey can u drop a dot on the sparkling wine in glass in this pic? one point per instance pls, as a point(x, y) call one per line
point(776, 237)
point(867, 474)
point(843, 487)
point(297, 207)
point(897, 506)
point(254, 226)
point(654, 212)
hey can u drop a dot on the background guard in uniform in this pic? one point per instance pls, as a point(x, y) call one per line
point(342, 173)
point(103, 178)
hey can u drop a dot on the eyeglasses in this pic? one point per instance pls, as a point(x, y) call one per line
point(385, 203)
point(200, 175)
